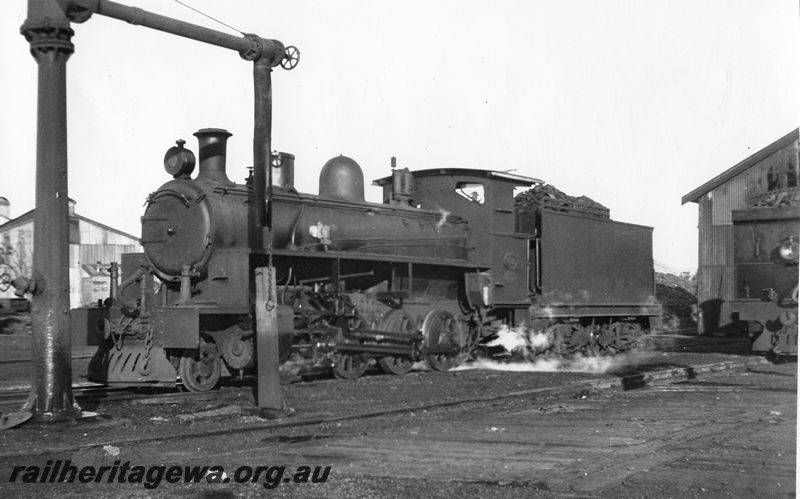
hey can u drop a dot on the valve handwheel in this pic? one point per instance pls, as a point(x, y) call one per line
point(290, 58)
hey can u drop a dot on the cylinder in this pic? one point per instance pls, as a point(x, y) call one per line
point(213, 149)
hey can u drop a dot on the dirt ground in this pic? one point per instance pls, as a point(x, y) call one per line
point(709, 434)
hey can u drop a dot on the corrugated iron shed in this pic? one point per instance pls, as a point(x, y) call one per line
point(741, 167)
point(772, 170)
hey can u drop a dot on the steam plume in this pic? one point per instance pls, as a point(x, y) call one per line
point(528, 348)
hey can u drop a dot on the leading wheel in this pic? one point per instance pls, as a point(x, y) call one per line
point(398, 321)
point(200, 368)
point(350, 366)
point(441, 329)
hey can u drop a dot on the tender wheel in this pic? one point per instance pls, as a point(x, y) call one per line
point(566, 338)
point(200, 368)
point(441, 329)
point(350, 366)
point(401, 322)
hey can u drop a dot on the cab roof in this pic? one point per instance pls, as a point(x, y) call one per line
point(466, 172)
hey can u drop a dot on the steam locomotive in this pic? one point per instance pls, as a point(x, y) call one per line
point(766, 261)
point(436, 269)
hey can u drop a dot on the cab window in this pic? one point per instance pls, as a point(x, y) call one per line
point(472, 191)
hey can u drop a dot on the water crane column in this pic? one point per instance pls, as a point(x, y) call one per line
point(47, 29)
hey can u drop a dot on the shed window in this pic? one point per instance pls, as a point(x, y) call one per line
point(472, 191)
point(791, 175)
point(773, 179)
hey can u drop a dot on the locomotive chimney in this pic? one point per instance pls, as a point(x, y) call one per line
point(213, 146)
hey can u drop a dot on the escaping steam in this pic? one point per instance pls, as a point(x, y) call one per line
point(444, 213)
point(529, 348)
point(519, 340)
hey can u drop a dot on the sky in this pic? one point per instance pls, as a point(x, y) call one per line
point(633, 103)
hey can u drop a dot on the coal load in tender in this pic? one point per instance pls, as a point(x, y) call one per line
point(552, 199)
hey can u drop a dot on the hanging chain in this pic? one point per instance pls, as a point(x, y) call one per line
point(270, 288)
point(148, 342)
point(148, 345)
point(270, 264)
point(269, 248)
point(118, 326)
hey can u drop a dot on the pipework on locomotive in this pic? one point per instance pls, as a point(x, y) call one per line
point(428, 275)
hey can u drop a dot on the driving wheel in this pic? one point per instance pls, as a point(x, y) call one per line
point(398, 321)
point(441, 329)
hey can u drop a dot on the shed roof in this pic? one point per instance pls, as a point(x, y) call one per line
point(28, 216)
point(695, 195)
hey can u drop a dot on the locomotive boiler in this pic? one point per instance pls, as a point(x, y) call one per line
point(445, 261)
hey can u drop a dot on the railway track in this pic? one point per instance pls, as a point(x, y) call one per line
point(6, 362)
point(91, 395)
point(665, 376)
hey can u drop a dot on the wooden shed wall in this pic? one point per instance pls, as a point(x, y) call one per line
point(715, 273)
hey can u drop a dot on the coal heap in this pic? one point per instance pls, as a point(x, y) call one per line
point(552, 199)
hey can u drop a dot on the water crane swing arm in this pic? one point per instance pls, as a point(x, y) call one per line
point(251, 47)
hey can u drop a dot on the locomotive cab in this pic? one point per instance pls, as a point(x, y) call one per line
point(485, 199)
